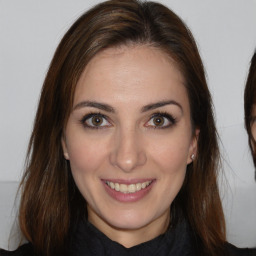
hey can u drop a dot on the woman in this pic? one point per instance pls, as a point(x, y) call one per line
point(123, 156)
point(249, 107)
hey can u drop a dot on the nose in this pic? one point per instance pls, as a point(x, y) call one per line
point(128, 151)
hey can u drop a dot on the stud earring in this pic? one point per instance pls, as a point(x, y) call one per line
point(193, 157)
point(66, 155)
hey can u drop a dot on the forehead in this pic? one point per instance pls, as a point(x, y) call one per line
point(131, 74)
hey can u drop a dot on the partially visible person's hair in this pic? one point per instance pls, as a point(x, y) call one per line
point(249, 101)
point(50, 200)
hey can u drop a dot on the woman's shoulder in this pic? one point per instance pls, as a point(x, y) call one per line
point(235, 251)
point(24, 250)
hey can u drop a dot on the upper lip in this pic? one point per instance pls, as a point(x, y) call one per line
point(128, 181)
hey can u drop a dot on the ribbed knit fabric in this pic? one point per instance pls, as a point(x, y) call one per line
point(88, 240)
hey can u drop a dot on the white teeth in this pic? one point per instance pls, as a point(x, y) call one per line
point(117, 187)
point(138, 186)
point(123, 188)
point(131, 188)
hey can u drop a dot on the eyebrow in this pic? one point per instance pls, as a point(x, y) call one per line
point(160, 104)
point(93, 104)
point(108, 108)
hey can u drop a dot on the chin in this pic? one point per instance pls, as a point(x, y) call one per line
point(129, 225)
point(129, 221)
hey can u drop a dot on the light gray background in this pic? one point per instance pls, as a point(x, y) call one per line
point(226, 34)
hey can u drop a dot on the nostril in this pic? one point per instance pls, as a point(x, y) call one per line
point(128, 161)
point(127, 150)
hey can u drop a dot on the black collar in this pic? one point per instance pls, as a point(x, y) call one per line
point(88, 240)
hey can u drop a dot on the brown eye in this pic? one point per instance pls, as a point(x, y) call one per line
point(97, 120)
point(158, 121)
point(161, 120)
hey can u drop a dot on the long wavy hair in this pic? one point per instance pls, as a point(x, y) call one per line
point(50, 201)
point(249, 101)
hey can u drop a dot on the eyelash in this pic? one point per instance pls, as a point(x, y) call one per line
point(88, 116)
point(166, 115)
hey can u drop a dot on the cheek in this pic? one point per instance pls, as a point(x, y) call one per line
point(171, 155)
point(85, 156)
point(253, 127)
point(172, 162)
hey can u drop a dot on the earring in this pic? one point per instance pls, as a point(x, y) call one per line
point(66, 155)
point(193, 157)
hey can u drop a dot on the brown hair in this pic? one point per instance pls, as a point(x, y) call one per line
point(50, 199)
point(249, 101)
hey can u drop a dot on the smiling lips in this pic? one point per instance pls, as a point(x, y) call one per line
point(131, 188)
point(127, 192)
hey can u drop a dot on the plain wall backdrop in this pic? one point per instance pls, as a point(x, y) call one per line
point(225, 31)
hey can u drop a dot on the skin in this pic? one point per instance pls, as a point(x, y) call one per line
point(128, 145)
point(253, 127)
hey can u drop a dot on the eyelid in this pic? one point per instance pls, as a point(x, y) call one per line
point(90, 115)
point(166, 115)
point(171, 120)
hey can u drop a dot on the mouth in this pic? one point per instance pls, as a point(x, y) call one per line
point(128, 188)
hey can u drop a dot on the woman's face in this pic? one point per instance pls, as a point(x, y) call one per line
point(129, 138)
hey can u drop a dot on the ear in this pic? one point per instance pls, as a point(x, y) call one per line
point(193, 147)
point(64, 147)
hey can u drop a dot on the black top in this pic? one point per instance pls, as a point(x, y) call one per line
point(174, 242)
point(89, 241)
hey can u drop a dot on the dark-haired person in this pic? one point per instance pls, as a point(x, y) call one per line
point(250, 107)
point(123, 157)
